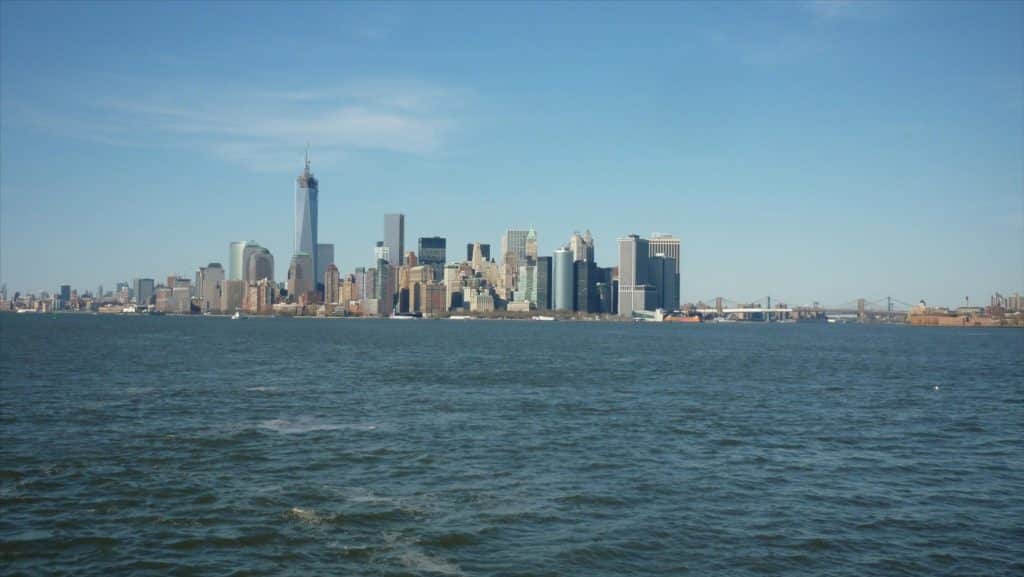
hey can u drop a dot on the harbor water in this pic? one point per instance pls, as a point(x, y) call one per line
point(206, 446)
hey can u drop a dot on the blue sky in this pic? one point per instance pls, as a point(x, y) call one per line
point(808, 151)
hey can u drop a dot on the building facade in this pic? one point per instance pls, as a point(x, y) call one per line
point(562, 286)
point(307, 202)
point(433, 252)
point(394, 237)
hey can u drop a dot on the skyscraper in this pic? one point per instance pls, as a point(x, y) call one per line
point(300, 276)
point(514, 242)
point(394, 237)
point(668, 246)
point(332, 285)
point(324, 258)
point(562, 280)
point(531, 245)
point(543, 282)
point(208, 287)
point(634, 291)
point(259, 265)
point(144, 291)
point(582, 247)
point(307, 193)
point(433, 253)
point(485, 251)
point(236, 259)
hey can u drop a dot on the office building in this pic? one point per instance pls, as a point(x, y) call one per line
point(452, 284)
point(307, 194)
point(667, 245)
point(259, 265)
point(332, 285)
point(394, 237)
point(585, 297)
point(562, 280)
point(582, 247)
point(662, 274)
point(485, 251)
point(514, 242)
point(65, 295)
point(324, 258)
point(382, 252)
point(300, 276)
point(236, 259)
point(232, 293)
point(383, 281)
point(433, 252)
point(208, 281)
point(145, 289)
point(633, 276)
point(543, 282)
point(531, 245)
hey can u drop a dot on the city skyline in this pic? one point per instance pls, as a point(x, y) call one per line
point(904, 178)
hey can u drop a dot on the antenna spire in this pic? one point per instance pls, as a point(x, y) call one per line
point(307, 157)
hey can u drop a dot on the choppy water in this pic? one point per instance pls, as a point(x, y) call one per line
point(187, 446)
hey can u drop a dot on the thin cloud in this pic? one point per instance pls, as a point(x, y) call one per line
point(262, 129)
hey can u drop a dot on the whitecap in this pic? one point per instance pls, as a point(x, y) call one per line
point(261, 389)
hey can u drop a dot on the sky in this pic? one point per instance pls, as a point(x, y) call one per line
point(810, 151)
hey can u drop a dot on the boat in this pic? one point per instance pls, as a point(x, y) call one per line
point(543, 318)
point(237, 316)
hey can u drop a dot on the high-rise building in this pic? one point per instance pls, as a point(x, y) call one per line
point(144, 291)
point(582, 247)
point(485, 251)
point(562, 280)
point(663, 277)
point(384, 295)
point(332, 285)
point(232, 293)
point(586, 297)
point(543, 282)
point(65, 295)
point(667, 245)
point(531, 245)
point(208, 287)
point(359, 280)
point(394, 237)
point(433, 253)
point(300, 276)
point(259, 265)
point(634, 290)
point(514, 242)
point(239, 255)
point(307, 195)
point(452, 284)
point(324, 258)
point(236, 259)
point(382, 252)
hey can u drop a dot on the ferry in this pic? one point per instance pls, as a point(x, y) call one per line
point(543, 318)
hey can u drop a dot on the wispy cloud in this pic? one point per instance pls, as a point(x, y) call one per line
point(262, 130)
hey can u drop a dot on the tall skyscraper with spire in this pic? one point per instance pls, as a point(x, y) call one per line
point(307, 192)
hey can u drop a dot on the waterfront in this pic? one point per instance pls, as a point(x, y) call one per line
point(162, 445)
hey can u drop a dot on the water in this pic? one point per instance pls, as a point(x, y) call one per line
point(187, 446)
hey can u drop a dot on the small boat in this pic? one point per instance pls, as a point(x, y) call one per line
point(543, 318)
point(237, 316)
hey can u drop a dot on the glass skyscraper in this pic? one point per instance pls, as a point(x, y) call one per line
point(307, 192)
point(394, 238)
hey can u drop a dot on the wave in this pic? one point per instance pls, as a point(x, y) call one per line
point(308, 425)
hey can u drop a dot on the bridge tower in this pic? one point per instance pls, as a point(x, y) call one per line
point(718, 304)
point(861, 316)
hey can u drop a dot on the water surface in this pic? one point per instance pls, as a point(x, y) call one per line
point(187, 446)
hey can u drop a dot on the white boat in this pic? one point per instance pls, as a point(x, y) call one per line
point(460, 317)
point(236, 316)
point(543, 318)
